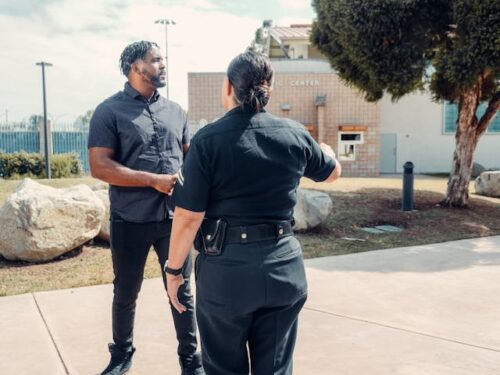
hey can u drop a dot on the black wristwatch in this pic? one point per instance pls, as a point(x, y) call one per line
point(172, 271)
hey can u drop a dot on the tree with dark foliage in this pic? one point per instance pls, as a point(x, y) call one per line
point(394, 47)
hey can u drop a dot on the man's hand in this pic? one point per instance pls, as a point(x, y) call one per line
point(327, 150)
point(164, 183)
point(173, 285)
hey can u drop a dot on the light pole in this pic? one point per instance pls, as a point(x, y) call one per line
point(43, 64)
point(166, 22)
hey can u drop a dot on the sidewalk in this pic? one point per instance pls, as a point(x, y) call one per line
point(421, 310)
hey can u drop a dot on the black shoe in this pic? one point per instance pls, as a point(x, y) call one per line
point(121, 360)
point(192, 366)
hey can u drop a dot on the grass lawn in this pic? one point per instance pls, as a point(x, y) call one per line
point(357, 202)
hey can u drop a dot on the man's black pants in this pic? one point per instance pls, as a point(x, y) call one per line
point(130, 244)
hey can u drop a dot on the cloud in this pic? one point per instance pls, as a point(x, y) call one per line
point(85, 39)
point(295, 4)
point(22, 8)
point(287, 21)
point(200, 41)
point(76, 16)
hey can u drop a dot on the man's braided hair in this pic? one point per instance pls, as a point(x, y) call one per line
point(134, 52)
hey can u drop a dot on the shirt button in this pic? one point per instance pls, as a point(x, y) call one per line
point(243, 236)
point(280, 231)
point(208, 237)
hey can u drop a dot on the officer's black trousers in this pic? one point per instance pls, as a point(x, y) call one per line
point(130, 244)
point(250, 296)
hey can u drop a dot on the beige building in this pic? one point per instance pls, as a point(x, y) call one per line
point(369, 138)
point(307, 90)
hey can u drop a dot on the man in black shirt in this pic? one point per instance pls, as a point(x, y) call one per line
point(137, 140)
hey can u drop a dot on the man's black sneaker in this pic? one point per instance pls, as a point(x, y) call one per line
point(121, 360)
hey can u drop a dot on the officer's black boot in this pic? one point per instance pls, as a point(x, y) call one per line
point(121, 360)
point(192, 366)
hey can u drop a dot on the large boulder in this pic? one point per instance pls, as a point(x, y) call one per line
point(477, 169)
point(488, 183)
point(103, 195)
point(101, 189)
point(312, 208)
point(39, 223)
point(100, 185)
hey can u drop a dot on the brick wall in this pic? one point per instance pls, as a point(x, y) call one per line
point(298, 91)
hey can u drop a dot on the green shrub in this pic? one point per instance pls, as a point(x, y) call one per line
point(23, 164)
point(64, 165)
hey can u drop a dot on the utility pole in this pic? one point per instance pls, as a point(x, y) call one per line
point(166, 22)
point(43, 64)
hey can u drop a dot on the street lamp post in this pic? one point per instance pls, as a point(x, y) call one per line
point(43, 64)
point(166, 22)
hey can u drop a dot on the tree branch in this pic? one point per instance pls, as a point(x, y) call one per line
point(491, 111)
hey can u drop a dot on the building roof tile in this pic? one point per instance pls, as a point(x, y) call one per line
point(293, 32)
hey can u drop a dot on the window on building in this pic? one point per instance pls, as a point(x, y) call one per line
point(348, 142)
point(451, 114)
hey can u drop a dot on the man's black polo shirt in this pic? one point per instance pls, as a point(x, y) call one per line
point(246, 168)
point(146, 136)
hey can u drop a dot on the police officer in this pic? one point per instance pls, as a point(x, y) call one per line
point(136, 143)
point(242, 173)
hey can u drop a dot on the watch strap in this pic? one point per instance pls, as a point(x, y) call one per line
point(172, 271)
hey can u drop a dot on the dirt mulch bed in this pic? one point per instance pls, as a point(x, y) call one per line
point(352, 210)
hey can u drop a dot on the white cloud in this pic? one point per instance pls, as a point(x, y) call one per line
point(295, 4)
point(200, 40)
point(84, 41)
point(287, 21)
point(76, 16)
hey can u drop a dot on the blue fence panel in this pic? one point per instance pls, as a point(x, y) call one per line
point(64, 140)
point(72, 142)
point(15, 141)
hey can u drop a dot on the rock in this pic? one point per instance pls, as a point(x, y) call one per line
point(101, 189)
point(104, 232)
point(488, 183)
point(100, 185)
point(477, 169)
point(312, 208)
point(40, 223)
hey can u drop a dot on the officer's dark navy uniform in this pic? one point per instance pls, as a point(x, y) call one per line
point(246, 168)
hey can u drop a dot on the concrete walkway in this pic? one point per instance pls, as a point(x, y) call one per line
point(424, 310)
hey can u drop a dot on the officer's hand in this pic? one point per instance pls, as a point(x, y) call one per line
point(327, 150)
point(173, 285)
point(164, 183)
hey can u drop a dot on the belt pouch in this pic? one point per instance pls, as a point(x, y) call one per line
point(210, 237)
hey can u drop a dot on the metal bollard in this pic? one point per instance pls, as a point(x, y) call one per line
point(407, 196)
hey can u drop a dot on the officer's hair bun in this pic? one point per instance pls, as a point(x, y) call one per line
point(256, 98)
point(251, 75)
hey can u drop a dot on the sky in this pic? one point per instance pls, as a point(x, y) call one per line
point(84, 39)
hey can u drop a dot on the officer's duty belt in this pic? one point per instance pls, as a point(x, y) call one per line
point(258, 232)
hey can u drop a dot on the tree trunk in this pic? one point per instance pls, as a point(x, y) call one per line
point(469, 130)
point(466, 139)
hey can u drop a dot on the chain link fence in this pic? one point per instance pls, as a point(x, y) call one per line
point(67, 137)
point(28, 137)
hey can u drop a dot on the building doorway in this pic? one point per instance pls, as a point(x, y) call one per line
point(388, 149)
